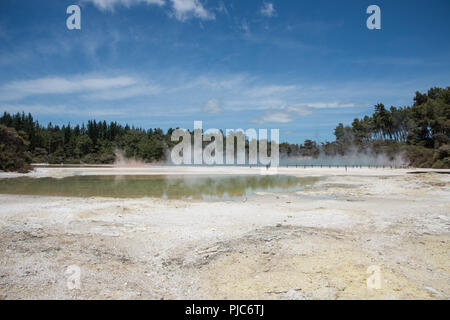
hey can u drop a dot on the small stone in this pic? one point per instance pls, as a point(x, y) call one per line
point(294, 295)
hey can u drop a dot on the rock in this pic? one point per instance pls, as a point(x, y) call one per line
point(294, 295)
point(433, 290)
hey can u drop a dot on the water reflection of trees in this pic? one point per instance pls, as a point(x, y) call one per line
point(171, 187)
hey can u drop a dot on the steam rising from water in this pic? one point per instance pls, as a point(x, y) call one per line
point(123, 161)
point(352, 158)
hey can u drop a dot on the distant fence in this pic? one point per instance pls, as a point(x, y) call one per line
point(339, 166)
point(297, 166)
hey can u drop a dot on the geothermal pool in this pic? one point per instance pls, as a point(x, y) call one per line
point(156, 186)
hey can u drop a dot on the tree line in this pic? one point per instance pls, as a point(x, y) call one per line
point(421, 131)
point(94, 143)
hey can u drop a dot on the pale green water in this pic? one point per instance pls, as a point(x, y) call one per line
point(168, 187)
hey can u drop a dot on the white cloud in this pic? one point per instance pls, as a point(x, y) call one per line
point(185, 9)
point(245, 27)
point(330, 105)
point(284, 115)
point(299, 110)
point(213, 83)
point(58, 85)
point(124, 93)
point(274, 117)
point(213, 106)
point(268, 10)
point(178, 93)
point(222, 8)
point(269, 90)
point(109, 5)
point(181, 9)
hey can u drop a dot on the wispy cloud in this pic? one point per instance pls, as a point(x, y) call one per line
point(244, 96)
point(213, 106)
point(284, 115)
point(213, 82)
point(180, 9)
point(110, 5)
point(222, 8)
point(185, 9)
point(269, 90)
point(245, 26)
point(274, 117)
point(114, 94)
point(292, 112)
point(59, 85)
point(268, 9)
point(331, 105)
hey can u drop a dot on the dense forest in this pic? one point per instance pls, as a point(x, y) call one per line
point(420, 131)
point(94, 143)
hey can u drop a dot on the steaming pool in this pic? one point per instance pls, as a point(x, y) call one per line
point(157, 186)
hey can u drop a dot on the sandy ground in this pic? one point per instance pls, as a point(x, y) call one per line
point(315, 244)
point(55, 172)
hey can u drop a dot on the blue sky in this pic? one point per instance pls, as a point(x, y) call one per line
point(300, 66)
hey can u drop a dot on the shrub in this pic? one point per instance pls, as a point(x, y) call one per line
point(13, 151)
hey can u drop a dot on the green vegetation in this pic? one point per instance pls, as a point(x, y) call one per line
point(13, 151)
point(91, 144)
point(420, 131)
